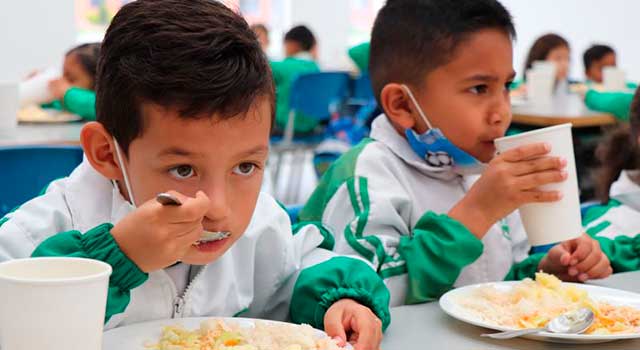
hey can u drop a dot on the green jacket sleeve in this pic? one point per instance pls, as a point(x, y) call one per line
point(98, 244)
point(81, 102)
point(623, 252)
point(320, 286)
point(526, 268)
point(616, 103)
point(360, 56)
point(438, 250)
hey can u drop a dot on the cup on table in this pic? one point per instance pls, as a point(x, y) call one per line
point(35, 90)
point(547, 223)
point(613, 79)
point(8, 104)
point(53, 303)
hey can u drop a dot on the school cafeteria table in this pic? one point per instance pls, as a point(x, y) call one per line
point(39, 134)
point(565, 109)
point(426, 326)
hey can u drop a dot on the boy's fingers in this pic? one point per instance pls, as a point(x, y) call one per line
point(583, 248)
point(531, 151)
point(333, 326)
point(533, 181)
point(368, 337)
point(538, 165)
point(601, 269)
point(192, 208)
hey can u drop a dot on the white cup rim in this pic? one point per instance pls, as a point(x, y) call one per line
point(106, 272)
point(534, 132)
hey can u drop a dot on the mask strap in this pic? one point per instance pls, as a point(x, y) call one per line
point(127, 184)
point(415, 103)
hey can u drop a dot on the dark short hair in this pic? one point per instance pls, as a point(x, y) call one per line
point(301, 35)
point(542, 47)
point(595, 53)
point(411, 38)
point(196, 56)
point(87, 55)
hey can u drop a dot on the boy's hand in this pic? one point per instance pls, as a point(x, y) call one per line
point(58, 87)
point(577, 260)
point(510, 180)
point(155, 236)
point(348, 320)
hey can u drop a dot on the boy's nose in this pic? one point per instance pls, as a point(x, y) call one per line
point(218, 204)
point(501, 113)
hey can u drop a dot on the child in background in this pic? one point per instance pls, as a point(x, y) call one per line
point(74, 91)
point(262, 33)
point(552, 48)
point(595, 59)
point(301, 52)
point(185, 106)
point(408, 199)
point(359, 54)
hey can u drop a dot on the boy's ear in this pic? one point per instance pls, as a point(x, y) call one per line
point(99, 149)
point(397, 106)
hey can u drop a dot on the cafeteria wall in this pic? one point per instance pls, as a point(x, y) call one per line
point(34, 34)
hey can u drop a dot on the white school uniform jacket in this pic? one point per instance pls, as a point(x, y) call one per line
point(386, 204)
point(268, 273)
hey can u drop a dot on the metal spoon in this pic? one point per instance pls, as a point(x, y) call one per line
point(572, 322)
point(207, 236)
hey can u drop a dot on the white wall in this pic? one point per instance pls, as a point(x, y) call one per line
point(329, 20)
point(582, 23)
point(34, 34)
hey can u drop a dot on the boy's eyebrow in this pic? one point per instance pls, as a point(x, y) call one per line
point(258, 150)
point(177, 151)
point(489, 78)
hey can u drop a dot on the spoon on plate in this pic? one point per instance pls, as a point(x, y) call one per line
point(207, 236)
point(572, 322)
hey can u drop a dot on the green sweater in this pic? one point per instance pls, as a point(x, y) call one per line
point(360, 56)
point(284, 74)
point(616, 103)
point(78, 101)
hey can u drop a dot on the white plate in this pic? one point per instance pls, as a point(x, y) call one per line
point(136, 336)
point(613, 296)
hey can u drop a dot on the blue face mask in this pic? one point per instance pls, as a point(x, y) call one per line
point(437, 150)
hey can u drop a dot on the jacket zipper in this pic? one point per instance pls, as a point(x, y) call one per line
point(180, 301)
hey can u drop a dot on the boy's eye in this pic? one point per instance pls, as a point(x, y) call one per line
point(182, 171)
point(244, 169)
point(479, 89)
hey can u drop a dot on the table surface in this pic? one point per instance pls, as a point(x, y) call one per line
point(427, 326)
point(29, 134)
point(568, 108)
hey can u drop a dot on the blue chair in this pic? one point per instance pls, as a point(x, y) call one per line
point(317, 95)
point(27, 170)
point(362, 90)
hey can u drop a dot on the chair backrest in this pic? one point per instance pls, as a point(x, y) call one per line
point(362, 90)
point(27, 170)
point(315, 94)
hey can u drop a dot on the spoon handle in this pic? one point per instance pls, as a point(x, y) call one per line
point(514, 334)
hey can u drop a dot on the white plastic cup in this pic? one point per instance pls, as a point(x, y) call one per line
point(547, 223)
point(613, 79)
point(540, 83)
point(8, 104)
point(35, 90)
point(53, 303)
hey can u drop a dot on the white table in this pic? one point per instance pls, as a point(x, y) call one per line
point(39, 134)
point(426, 326)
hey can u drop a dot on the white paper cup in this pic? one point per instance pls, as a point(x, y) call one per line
point(613, 79)
point(540, 84)
point(8, 104)
point(35, 90)
point(52, 303)
point(559, 221)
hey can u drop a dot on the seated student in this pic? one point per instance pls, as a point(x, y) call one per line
point(359, 54)
point(553, 48)
point(617, 103)
point(185, 105)
point(74, 91)
point(618, 181)
point(404, 199)
point(300, 51)
point(262, 33)
point(595, 59)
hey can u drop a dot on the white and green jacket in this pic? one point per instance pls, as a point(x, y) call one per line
point(268, 273)
point(387, 205)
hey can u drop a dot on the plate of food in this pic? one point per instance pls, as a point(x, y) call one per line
point(504, 306)
point(37, 114)
point(204, 333)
